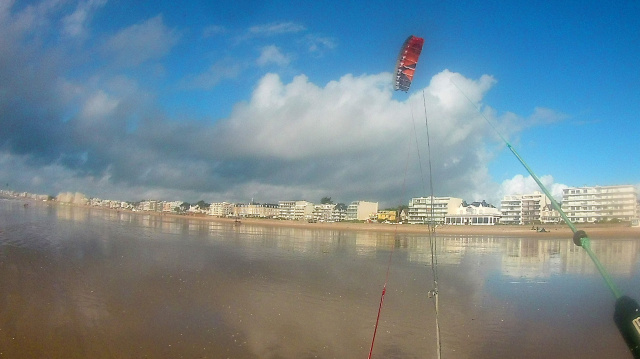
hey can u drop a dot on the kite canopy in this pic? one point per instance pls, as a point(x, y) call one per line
point(407, 61)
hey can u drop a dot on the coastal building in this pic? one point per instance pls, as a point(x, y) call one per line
point(295, 210)
point(221, 209)
point(550, 215)
point(361, 211)
point(339, 212)
point(150, 206)
point(390, 216)
point(323, 212)
point(421, 211)
point(476, 213)
point(600, 203)
point(256, 210)
point(170, 206)
point(523, 208)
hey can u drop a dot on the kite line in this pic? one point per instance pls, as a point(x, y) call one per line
point(627, 311)
point(405, 70)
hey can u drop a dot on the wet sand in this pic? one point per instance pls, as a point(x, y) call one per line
point(594, 231)
point(88, 282)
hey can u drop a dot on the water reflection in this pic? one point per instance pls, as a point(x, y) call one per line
point(83, 282)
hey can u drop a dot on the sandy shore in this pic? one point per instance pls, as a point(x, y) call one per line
point(594, 231)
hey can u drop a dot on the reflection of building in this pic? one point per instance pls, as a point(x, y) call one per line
point(451, 249)
point(523, 208)
point(534, 258)
point(361, 210)
point(477, 213)
point(420, 209)
point(600, 203)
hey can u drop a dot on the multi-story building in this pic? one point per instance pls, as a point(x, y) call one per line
point(170, 206)
point(511, 209)
point(523, 208)
point(150, 205)
point(361, 210)
point(221, 209)
point(600, 203)
point(532, 206)
point(295, 210)
point(323, 212)
point(421, 212)
point(339, 213)
point(256, 210)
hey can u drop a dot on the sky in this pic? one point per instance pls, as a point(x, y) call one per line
point(266, 101)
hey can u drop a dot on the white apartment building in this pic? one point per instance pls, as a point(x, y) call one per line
point(150, 206)
point(600, 203)
point(361, 210)
point(420, 209)
point(256, 210)
point(295, 210)
point(221, 209)
point(523, 208)
point(323, 212)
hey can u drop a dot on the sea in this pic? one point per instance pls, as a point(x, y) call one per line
point(80, 282)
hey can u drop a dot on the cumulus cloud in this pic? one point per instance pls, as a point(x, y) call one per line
point(520, 184)
point(142, 42)
point(352, 138)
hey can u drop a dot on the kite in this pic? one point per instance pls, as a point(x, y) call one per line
point(407, 61)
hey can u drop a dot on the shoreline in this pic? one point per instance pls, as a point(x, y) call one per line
point(595, 231)
point(552, 231)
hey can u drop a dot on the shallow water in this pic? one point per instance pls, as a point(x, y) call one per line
point(89, 283)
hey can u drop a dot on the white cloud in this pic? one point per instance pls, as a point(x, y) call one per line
point(99, 106)
point(142, 42)
point(75, 24)
point(213, 30)
point(216, 73)
point(272, 55)
point(351, 136)
point(32, 18)
point(520, 184)
point(319, 44)
point(272, 29)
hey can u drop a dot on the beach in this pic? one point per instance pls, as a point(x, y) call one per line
point(594, 231)
point(82, 281)
point(551, 231)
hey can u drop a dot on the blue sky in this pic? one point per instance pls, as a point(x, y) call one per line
point(272, 101)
